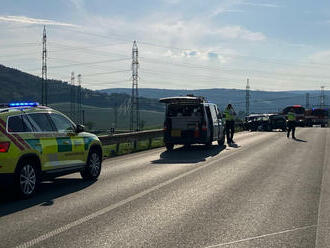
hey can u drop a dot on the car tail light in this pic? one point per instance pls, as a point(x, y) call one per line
point(204, 127)
point(4, 146)
point(196, 131)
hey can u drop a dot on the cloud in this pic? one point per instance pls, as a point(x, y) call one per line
point(320, 57)
point(222, 10)
point(29, 20)
point(266, 5)
point(238, 32)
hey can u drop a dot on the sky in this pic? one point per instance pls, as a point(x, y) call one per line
point(279, 45)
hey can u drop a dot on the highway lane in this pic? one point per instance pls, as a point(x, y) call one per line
point(265, 192)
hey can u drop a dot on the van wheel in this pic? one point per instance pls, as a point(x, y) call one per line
point(93, 166)
point(221, 142)
point(169, 147)
point(27, 179)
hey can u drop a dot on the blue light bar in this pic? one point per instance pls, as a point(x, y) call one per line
point(23, 104)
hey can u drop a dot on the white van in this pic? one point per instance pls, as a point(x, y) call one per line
point(192, 120)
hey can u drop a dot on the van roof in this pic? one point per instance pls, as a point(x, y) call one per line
point(183, 100)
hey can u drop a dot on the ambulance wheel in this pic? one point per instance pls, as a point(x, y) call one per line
point(27, 178)
point(93, 166)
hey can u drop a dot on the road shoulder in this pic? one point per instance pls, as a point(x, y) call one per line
point(323, 230)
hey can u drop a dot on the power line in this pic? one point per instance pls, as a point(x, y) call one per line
point(79, 101)
point(307, 100)
point(72, 97)
point(104, 73)
point(322, 98)
point(247, 98)
point(44, 83)
point(135, 111)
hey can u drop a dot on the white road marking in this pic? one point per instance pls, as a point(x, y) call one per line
point(262, 236)
point(325, 166)
point(120, 203)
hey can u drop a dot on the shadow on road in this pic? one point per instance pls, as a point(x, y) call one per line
point(46, 195)
point(192, 154)
point(299, 140)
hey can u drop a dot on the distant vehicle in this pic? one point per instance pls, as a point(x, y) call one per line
point(277, 121)
point(37, 143)
point(300, 114)
point(317, 117)
point(253, 121)
point(192, 120)
point(265, 122)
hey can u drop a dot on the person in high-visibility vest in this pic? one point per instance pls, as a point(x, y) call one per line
point(229, 114)
point(291, 123)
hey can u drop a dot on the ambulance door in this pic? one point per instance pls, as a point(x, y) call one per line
point(70, 144)
point(44, 141)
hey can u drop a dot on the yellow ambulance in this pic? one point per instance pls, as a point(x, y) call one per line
point(39, 143)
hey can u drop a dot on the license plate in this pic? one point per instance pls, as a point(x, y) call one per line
point(176, 133)
point(191, 126)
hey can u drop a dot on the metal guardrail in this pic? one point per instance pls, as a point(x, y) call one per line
point(134, 137)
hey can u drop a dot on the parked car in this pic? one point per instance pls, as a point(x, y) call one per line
point(265, 122)
point(317, 116)
point(192, 120)
point(38, 143)
point(277, 121)
point(253, 121)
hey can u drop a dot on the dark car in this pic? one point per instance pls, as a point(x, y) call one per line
point(277, 122)
point(317, 117)
point(265, 122)
point(253, 121)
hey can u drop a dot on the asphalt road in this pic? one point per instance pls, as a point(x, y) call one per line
point(267, 191)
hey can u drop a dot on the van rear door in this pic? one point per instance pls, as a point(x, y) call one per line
point(185, 120)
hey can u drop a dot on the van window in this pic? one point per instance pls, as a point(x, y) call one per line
point(213, 113)
point(174, 110)
point(208, 113)
point(18, 124)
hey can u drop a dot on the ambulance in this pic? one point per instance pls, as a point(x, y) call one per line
point(39, 143)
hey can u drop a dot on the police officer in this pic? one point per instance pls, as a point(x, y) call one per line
point(291, 123)
point(230, 123)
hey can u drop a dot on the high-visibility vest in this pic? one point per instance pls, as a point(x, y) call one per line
point(291, 116)
point(229, 115)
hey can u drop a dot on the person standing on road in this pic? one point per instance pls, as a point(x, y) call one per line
point(291, 123)
point(230, 123)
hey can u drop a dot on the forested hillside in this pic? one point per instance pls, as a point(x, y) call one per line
point(20, 86)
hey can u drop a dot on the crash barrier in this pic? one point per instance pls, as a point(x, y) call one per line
point(107, 131)
point(132, 137)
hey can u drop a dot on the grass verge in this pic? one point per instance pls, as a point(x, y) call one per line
point(126, 148)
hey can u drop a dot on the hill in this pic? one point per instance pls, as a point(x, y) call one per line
point(99, 106)
point(104, 118)
point(260, 101)
point(20, 86)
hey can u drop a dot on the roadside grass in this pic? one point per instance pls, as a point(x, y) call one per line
point(126, 148)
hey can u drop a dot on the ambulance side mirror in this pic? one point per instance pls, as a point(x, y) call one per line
point(80, 128)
